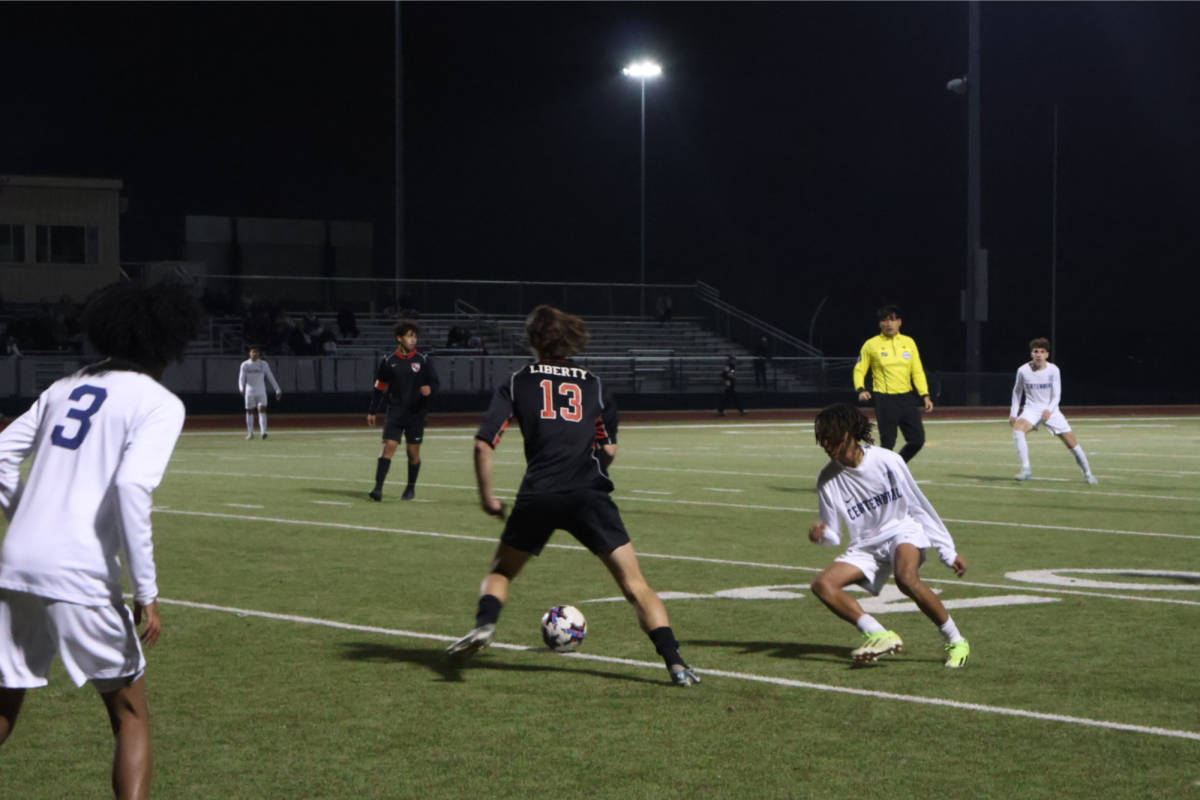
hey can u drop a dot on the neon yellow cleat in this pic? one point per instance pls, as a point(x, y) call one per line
point(957, 653)
point(877, 645)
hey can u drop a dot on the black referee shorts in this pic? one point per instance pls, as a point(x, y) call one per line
point(589, 515)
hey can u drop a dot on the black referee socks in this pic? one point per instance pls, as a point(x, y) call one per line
point(413, 471)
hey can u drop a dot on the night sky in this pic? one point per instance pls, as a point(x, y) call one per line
point(796, 151)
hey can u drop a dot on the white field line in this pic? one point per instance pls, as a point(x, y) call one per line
point(467, 433)
point(665, 556)
point(638, 499)
point(1094, 492)
point(743, 676)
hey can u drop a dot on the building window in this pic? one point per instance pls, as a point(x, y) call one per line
point(68, 244)
point(12, 243)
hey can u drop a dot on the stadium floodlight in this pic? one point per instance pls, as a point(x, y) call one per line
point(641, 71)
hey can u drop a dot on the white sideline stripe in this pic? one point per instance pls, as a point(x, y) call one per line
point(624, 498)
point(743, 676)
point(237, 505)
point(680, 426)
point(716, 489)
point(1094, 492)
point(666, 556)
point(329, 503)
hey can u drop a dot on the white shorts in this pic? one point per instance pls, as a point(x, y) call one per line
point(1057, 424)
point(97, 643)
point(878, 562)
point(255, 399)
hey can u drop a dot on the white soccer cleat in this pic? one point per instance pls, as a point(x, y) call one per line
point(472, 643)
point(1025, 474)
point(1090, 478)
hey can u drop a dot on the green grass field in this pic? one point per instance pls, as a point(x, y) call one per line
point(304, 627)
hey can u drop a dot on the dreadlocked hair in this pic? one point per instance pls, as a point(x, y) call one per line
point(555, 334)
point(839, 419)
point(147, 325)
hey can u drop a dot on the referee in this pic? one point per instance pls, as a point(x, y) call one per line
point(896, 369)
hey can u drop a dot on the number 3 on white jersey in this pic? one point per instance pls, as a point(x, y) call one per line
point(82, 415)
point(575, 402)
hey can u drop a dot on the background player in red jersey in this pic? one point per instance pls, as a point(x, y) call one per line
point(569, 424)
point(407, 379)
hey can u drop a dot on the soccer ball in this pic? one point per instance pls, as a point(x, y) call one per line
point(563, 628)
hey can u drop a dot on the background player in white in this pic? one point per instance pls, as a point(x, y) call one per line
point(1041, 384)
point(890, 524)
point(100, 441)
point(252, 383)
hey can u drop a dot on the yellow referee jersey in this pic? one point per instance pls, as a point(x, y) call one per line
point(895, 366)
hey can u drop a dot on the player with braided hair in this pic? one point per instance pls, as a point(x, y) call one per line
point(890, 525)
point(111, 427)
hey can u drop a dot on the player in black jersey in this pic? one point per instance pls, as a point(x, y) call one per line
point(569, 424)
point(407, 379)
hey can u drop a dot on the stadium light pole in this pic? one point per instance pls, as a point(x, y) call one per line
point(974, 306)
point(642, 71)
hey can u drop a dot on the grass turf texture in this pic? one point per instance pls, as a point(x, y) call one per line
point(247, 706)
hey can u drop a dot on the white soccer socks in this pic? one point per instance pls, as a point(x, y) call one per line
point(1081, 459)
point(1022, 448)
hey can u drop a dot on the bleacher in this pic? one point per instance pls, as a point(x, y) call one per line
point(632, 354)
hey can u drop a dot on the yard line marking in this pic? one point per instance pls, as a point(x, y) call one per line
point(664, 556)
point(631, 498)
point(646, 491)
point(1102, 492)
point(742, 676)
point(236, 505)
point(330, 503)
point(717, 489)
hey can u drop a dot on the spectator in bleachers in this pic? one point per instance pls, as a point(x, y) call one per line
point(762, 354)
point(666, 309)
point(729, 382)
point(347, 324)
point(475, 342)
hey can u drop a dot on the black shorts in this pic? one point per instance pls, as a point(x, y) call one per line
point(414, 432)
point(589, 515)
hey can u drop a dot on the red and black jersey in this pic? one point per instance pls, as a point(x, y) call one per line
point(565, 414)
point(400, 378)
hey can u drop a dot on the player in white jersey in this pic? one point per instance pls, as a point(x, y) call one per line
point(1040, 383)
point(890, 525)
point(252, 383)
point(100, 441)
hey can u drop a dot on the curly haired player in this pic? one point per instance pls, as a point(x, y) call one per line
point(111, 428)
point(890, 524)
